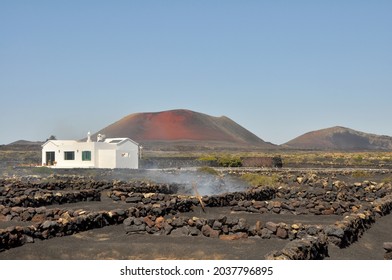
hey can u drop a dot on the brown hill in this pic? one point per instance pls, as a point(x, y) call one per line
point(26, 143)
point(340, 138)
point(183, 128)
point(22, 145)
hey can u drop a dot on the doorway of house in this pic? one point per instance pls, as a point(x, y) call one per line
point(50, 158)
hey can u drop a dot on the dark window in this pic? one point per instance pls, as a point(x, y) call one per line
point(50, 158)
point(69, 155)
point(86, 155)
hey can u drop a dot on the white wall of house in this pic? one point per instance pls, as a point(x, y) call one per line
point(106, 159)
point(128, 155)
point(112, 153)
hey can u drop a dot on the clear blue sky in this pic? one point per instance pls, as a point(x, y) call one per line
point(278, 68)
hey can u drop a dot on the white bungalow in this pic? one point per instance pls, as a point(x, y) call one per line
point(105, 153)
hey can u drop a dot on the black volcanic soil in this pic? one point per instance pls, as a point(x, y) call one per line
point(113, 243)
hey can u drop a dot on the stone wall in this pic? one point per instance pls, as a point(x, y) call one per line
point(224, 227)
point(351, 228)
point(227, 199)
point(307, 248)
point(57, 223)
point(37, 198)
point(52, 182)
point(336, 198)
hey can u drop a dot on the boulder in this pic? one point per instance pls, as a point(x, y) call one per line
point(159, 222)
point(167, 228)
point(241, 226)
point(258, 226)
point(182, 231)
point(217, 225)
point(300, 180)
point(3, 218)
point(194, 231)
point(265, 233)
point(295, 226)
point(178, 222)
point(312, 230)
point(330, 211)
point(133, 199)
point(334, 231)
point(48, 224)
point(281, 233)
point(133, 229)
point(209, 232)
point(150, 223)
point(271, 226)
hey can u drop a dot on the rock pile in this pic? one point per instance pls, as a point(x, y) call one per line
point(53, 182)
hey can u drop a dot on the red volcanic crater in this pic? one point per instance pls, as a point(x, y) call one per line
point(181, 125)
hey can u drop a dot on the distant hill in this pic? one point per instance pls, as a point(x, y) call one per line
point(340, 138)
point(183, 128)
point(25, 143)
point(22, 145)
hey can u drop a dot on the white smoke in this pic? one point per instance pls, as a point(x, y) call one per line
point(206, 184)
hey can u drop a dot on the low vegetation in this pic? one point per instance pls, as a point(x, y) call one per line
point(208, 170)
point(257, 180)
point(360, 174)
point(229, 161)
point(338, 159)
point(222, 160)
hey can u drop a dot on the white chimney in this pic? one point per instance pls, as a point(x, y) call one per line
point(88, 136)
point(100, 137)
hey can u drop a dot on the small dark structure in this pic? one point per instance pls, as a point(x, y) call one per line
point(262, 162)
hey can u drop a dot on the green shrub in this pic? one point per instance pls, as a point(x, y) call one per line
point(358, 159)
point(229, 161)
point(208, 170)
point(256, 180)
point(387, 180)
point(207, 158)
point(360, 174)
